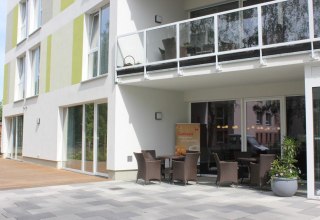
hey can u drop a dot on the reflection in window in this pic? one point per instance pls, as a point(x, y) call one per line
point(316, 15)
point(74, 138)
point(296, 128)
point(20, 85)
point(316, 134)
point(263, 138)
point(98, 43)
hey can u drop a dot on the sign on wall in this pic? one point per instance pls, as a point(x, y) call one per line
point(187, 138)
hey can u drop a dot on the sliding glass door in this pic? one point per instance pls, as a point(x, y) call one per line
point(86, 144)
point(17, 137)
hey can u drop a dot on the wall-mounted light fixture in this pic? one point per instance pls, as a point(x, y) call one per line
point(158, 115)
point(158, 19)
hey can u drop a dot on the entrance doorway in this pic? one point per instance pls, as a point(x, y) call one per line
point(86, 138)
point(262, 121)
point(16, 137)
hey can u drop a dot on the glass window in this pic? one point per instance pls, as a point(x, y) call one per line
point(35, 67)
point(296, 128)
point(35, 15)
point(98, 43)
point(22, 20)
point(74, 138)
point(220, 131)
point(19, 94)
point(102, 137)
point(263, 138)
point(316, 135)
point(17, 137)
point(89, 121)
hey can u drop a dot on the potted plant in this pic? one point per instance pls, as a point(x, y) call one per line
point(284, 173)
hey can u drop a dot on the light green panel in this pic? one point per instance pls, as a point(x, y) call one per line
point(77, 50)
point(15, 27)
point(6, 82)
point(12, 29)
point(48, 63)
point(65, 4)
point(61, 57)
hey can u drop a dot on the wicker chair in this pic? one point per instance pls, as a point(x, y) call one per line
point(227, 171)
point(259, 171)
point(185, 170)
point(148, 169)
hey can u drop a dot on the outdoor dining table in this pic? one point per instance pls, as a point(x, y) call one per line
point(170, 158)
point(245, 162)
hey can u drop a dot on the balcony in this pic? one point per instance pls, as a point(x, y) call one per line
point(248, 33)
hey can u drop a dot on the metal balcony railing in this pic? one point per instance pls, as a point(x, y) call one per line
point(277, 27)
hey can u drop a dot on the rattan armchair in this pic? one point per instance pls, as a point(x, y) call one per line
point(148, 169)
point(185, 170)
point(227, 171)
point(259, 171)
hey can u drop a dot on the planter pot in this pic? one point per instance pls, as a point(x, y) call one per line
point(284, 187)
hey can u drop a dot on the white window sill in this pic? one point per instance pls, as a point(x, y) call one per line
point(94, 78)
point(21, 42)
point(35, 31)
point(18, 100)
point(32, 97)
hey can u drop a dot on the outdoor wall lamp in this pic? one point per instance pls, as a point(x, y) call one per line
point(158, 115)
point(158, 19)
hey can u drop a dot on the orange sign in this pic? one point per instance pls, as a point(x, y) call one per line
point(187, 138)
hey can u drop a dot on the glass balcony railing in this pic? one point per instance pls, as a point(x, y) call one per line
point(250, 31)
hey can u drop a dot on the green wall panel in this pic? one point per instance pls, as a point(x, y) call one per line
point(6, 82)
point(14, 27)
point(65, 4)
point(48, 68)
point(77, 49)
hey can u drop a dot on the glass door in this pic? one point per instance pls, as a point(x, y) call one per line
point(17, 137)
point(86, 144)
point(316, 138)
point(263, 127)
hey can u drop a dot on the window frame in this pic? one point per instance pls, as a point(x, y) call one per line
point(20, 78)
point(23, 23)
point(35, 15)
point(35, 71)
point(88, 72)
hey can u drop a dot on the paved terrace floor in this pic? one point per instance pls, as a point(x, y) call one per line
point(15, 174)
point(128, 200)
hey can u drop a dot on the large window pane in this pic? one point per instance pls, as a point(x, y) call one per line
point(104, 40)
point(197, 37)
point(161, 44)
point(285, 21)
point(74, 138)
point(102, 138)
point(238, 30)
point(89, 117)
point(296, 127)
point(263, 127)
point(316, 130)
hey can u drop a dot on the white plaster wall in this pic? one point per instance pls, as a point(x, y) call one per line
point(246, 91)
point(45, 141)
point(191, 4)
point(136, 127)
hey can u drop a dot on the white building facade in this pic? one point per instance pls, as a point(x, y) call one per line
point(84, 79)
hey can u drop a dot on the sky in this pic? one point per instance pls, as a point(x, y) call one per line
point(2, 41)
